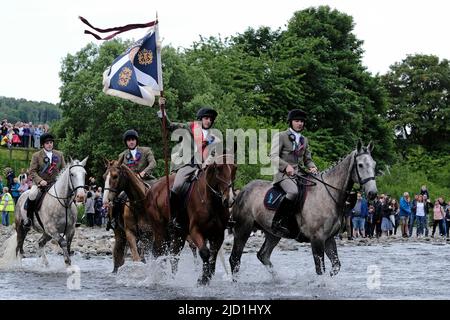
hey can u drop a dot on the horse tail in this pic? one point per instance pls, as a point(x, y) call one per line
point(9, 258)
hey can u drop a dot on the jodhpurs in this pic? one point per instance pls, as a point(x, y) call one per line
point(181, 177)
point(291, 189)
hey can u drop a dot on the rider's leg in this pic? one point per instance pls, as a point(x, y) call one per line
point(286, 207)
point(31, 206)
point(176, 204)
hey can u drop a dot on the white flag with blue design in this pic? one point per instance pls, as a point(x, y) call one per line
point(136, 75)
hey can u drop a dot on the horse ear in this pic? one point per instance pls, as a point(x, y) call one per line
point(106, 162)
point(71, 160)
point(359, 145)
point(83, 163)
point(370, 146)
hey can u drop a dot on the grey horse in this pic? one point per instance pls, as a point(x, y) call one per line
point(58, 212)
point(320, 219)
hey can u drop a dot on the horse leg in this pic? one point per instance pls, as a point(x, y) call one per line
point(241, 234)
point(214, 247)
point(331, 251)
point(69, 237)
point(265, 252)
point(205, 254)
point(21, 234)
point(317, 247)
point(119, 248)
point(131, 238)
point(176, 245)
point(63, 244)
point(42, 241)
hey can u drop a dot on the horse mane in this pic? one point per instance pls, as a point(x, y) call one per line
point(339, 161)
point(335, 164)
point(67, 166)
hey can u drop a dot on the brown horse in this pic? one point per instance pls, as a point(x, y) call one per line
point(207, 214)
point(132, 224)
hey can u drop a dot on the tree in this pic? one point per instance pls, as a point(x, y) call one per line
point(419, 101)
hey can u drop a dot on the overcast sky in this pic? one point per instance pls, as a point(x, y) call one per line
point(37, 35)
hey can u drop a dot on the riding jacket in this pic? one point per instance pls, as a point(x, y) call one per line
point(43, 168)
point(143, 161)
point(286, 150)
point(192, 138)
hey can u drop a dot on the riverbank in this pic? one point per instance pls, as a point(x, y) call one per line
point(99, 242)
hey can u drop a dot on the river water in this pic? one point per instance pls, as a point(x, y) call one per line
point(389, 271)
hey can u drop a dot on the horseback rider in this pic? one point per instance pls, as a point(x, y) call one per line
point(138, 159)
point(289, 150)
point(201, 146)
point(44, 168)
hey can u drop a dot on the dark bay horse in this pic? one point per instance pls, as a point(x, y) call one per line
point(57, 215)
point(320, 218)
point(207, 214)
point(132, 223)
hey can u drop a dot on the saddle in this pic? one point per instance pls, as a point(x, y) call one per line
point(186, 189)
point(276, 194)
point(37, 204)
point(273, 198)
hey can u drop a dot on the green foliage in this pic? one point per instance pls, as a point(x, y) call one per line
point(252, 79)
point(23, 110)
point(419, 90)
point(421, 168)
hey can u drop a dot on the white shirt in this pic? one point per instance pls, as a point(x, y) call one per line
point(49, 154)
point(133, 153)
point(297, 135)
point(420, 211)
point(205, 133)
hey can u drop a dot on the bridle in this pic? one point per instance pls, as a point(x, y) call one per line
point(65, 203)
point(72, 188)
point(229, 184)
point(361, 182)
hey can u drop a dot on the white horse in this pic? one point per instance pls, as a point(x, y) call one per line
point(57, 215)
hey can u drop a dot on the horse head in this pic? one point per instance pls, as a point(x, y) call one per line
point(112, 181)
point(220, 176)
point(77, 177)
point(363, 172)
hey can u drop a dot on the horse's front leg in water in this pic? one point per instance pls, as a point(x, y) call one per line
point(317, 247)
point(331, 251)
point(63, 244)
point(42, 241)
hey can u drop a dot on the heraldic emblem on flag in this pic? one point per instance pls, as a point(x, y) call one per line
point(135, 75)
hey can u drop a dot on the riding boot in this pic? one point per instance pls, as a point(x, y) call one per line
point(30, 206)
point(284, 211)
point(175, 203)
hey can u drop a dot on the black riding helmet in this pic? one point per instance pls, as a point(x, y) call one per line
point(130, 134)
point(206, 112)
point(46, 137)
point(296, 114)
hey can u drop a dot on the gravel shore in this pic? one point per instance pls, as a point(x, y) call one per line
point(99, 242)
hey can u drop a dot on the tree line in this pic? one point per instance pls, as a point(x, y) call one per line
point(23, 110)
point(254, 78)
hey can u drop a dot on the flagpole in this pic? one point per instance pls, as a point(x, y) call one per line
point(164, 128)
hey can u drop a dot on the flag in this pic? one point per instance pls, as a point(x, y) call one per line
point(136, 75)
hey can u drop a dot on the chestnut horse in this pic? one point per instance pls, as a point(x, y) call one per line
point(132, 224)
point(206, 215)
